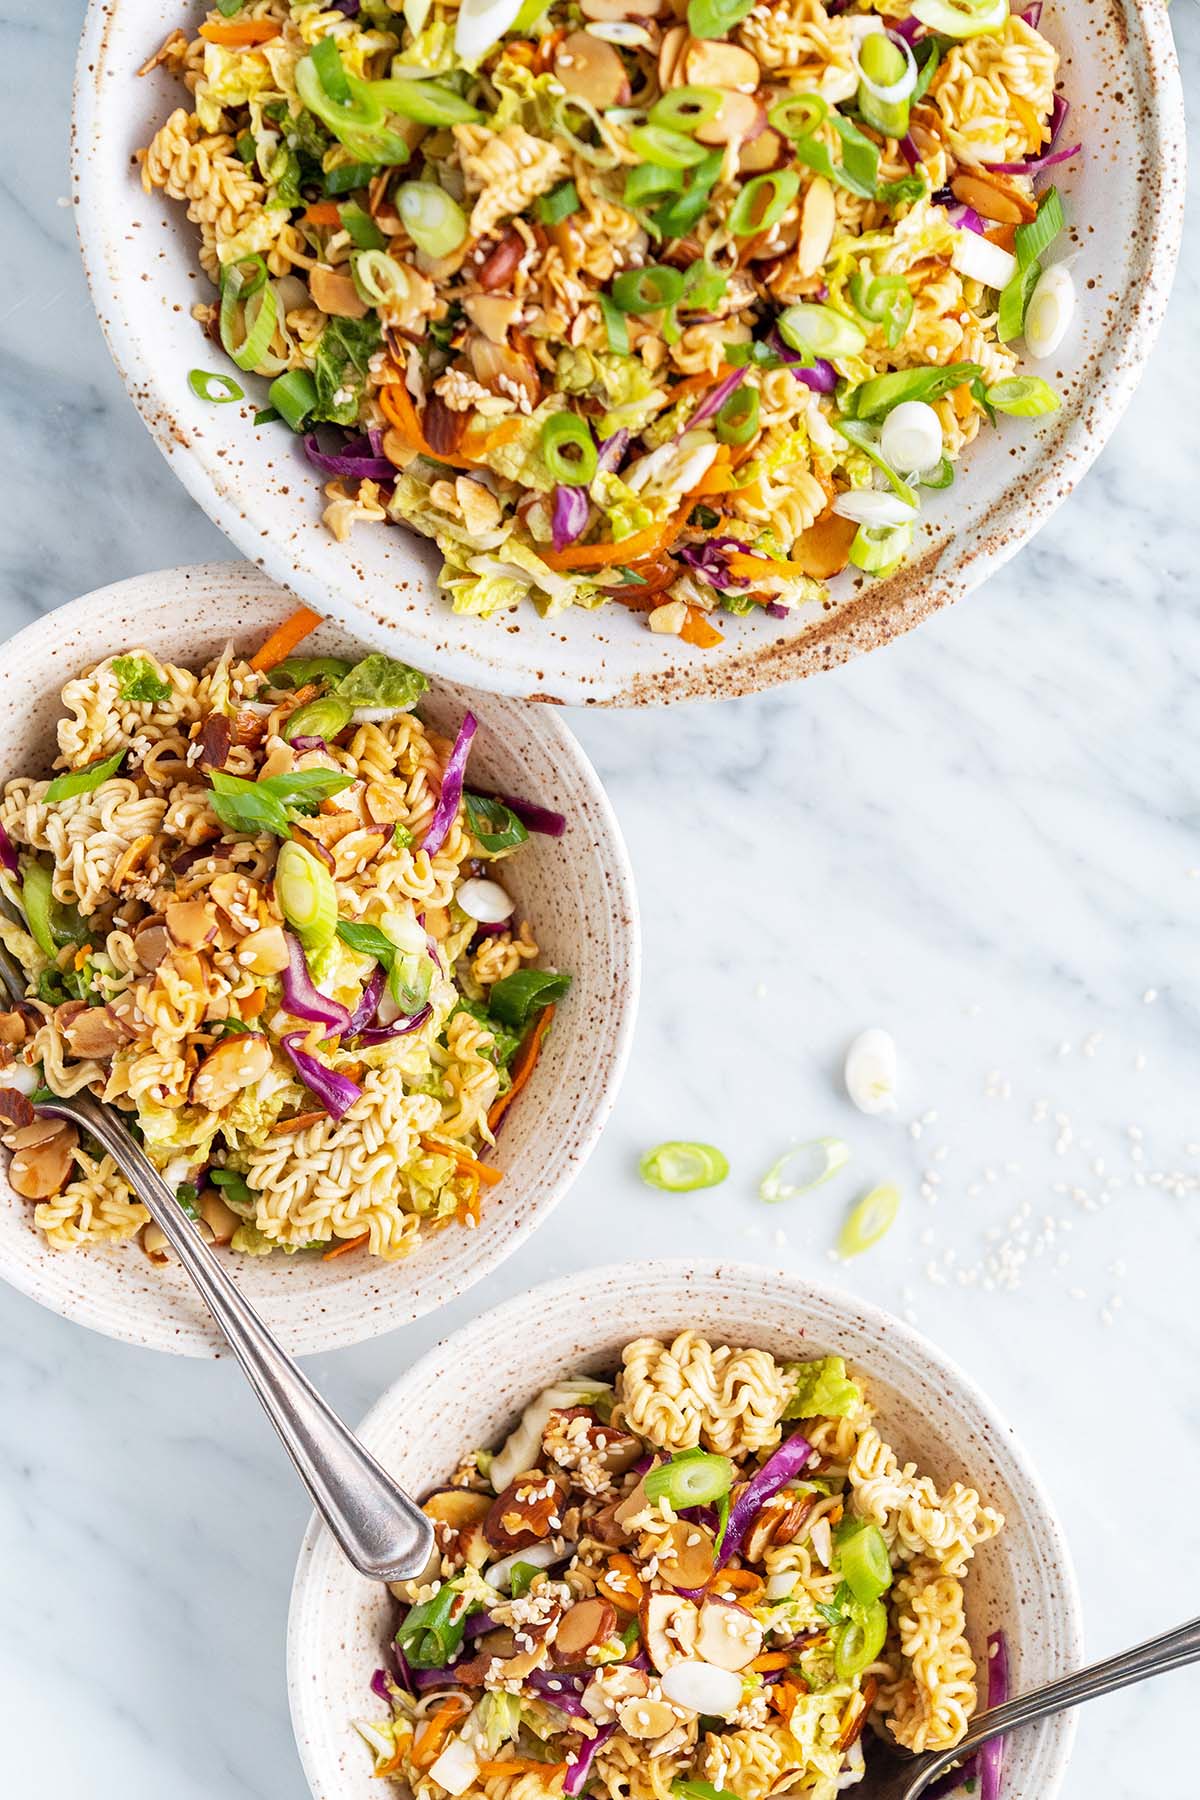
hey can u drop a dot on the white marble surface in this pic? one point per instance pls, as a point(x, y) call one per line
point(986, 837)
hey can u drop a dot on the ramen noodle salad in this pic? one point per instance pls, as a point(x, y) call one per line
point(267, 921)
point(711, 1577)
point(682, 303)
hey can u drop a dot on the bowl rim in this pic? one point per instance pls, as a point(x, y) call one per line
point(873, 618)
point(317, 1550)
point(76, 1303)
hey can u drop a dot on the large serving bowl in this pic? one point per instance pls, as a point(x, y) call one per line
point(469, 1390)
point(1125, 203)
point(577, 889)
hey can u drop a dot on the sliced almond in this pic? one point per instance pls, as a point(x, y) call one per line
point(13, 1029)
point(154, 1243)
point(493, 314)
point(708, 62)
point(16, 1108)
point(264, 952)
point(221, 1220)
point(740, 119)
point(335, 293)
point(586, 1623)
point(152, 941)
point(763, 152)
point(609, 11)
point(994, 197)
point(358, 848)
point(191, 923)
point(818, 217)
point(43, 1167)
point(589, 67)
point(728, 1636)
point(669, 1625)
point(91, 1032)
point(687, 1555)
point(236, 1063)
point(611, 1685)
point(645, 1718)
point(634, 1502)
point(824, 549)
point(670, 57)
point(530, 1508)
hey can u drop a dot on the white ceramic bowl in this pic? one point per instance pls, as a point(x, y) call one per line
point(1125, 202)
point(469, 1390)
point(577, 889)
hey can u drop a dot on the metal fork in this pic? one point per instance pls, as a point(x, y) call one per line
point(1174, 1650)
point(382, 1532)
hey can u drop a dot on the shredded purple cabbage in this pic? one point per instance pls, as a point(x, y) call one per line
point(450, 798)
point(776, 611)
point(432, 1678)
point(1033, 165)
point(477, 1624)
point(710, 562)
point(909, 29)
point(965, 218)
point(305, 744)
point(379, 1686)
point(404, 1673)
point(715, 400)
point(379, 1034)
point(368, 1004)
point(577, 1774)
point(349, 7)
point(8, 853)
point(820, 376)
point(991, 1754)
point(909, 151)
point(337, 1093)
point(303, 1000)
point(357, 458)
point(789, 1460)
point(569, 514)
point(558, 1691)
point(1033, 15)
point(612, 451)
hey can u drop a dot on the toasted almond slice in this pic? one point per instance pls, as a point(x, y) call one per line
point(191, 923)
point(687, 1555)
point(335, 293)
point(818, 216)
point(43, 1168)
point(708, 62)
point(994, 197)
point(93, 1032)
point(586, 1623)
point(236, 1063)
point(645, 1718)
point(589, 67)
point(669, 1625)
point(763, 152)
point(670, 57)
point(740, 120)
point(728, 1636)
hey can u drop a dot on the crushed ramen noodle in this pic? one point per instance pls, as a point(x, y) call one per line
point(264, 921)
point(710, 1575)
point(677, 304)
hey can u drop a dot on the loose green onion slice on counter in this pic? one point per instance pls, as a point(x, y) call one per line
point(1024, 396)
point(615, 325)
point(558, 204)
point(647, 180)
point(862, 1560)
point(207, 384)
point(870, 1220)
point(434, 221)
point(798, 115)
point(737, 421)
point(648, 289)
point(857, 1645)
point(763, 202)
point(307, 896)
point(293, 395)
point(883, 300)
point(716, 18)
point(568, 449)
point(693, 1478)
point(668, 149)
point(687, 108)
point(322, 718)
point(1031, 241)
point(680, 1167)
point(803, 1168)
point(361, 228)
point(83, 781)
point(820, 331)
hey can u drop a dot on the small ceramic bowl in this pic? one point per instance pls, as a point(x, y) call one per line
point(469, 1390)
point(577, 889)
point(1124, 199)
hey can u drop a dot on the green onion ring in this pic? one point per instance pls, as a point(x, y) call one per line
point(763, 202)
point(687, 108)
point(649, 289)
point(566, 432)
point(679, 1167)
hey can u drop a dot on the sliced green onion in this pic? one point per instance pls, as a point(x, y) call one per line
point(883, 300)
point(434, 221)
point(229, 9)
point(876, 549)
point(763, 202)
point(941, 477)
point(888, 78)
point(866, 438)
point(568, 449)
point(870, 1220)
point(679, 1167)
point(927, 69)
point(247, 337)
point(348, 176)
point(360, 121)
point(687, 108)
point(558, 204)
point(37, 903)
point(246, 148)
point(293, 395)
point(882, 392)
point(307, 896)
point(361, 228)
point(798, 115)
point(667, 149)
point(737, 421)
point(322, 718)
point(716, 18)
point(648, 289)
point(516, 998)
point(496, 826)
point(881, 61)
point(83, 781)
point(428, 102)
point(647, 180)
point(961, 18)
point(857, 1646)
point(691, 1479)
point(862, 1560)
point(679, 215)
point(1014, 301)
point(615, 324)
point(703, 286)
point(1032, 241)
point(220, 389)
point(820, 331)
point(1024, 396)
point(327, 61)
point(817, 1160)
point(265, 416)
point(858, 171)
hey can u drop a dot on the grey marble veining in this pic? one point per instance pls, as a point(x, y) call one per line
point(986, 838)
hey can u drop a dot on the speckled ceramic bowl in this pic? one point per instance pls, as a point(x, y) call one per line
point(577, 889)
point(1125, 202)
point(469, 1390)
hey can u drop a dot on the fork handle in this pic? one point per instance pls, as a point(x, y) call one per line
point(1173, 1650)
point(383, 1533)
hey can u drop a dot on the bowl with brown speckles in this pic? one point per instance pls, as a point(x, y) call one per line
point(577, 890)
point(1125, 204)
point(469, 1391)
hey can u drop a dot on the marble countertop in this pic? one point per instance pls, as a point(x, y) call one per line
point(985, 838)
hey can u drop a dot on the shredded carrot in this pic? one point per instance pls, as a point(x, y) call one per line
point(464, 1159)
point(643, 543)
point(81, 955)
point(392, 1765)
point(323, 212)
point(301, 1122)
point(253, 1004)
point(285, 637)
point(545, 51)
point(235, 35)
point(782, 1697)
point(522, 1765)
point(468, 1210)
point(773, 1659)
point(1004, 235)
point(1036, 130)
point(481, 443)
point(697, 631)
point(436, 1728)
point(527, 1055)
point(396, 404)
point(738, 1581)
point(693, 384)
point(345, 1248)
point(625, 1592)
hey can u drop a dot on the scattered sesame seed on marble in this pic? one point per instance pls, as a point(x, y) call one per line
point(1150, 996)
point(1117, 1268)
point(1139, 1061)
point(780, 1239)
point(941, 1153)
point(1064, 1049)
point(914, 1130)
point(1077, 1293)
point(973, 1190)
point(929, 1118)
point(1092, 1042)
